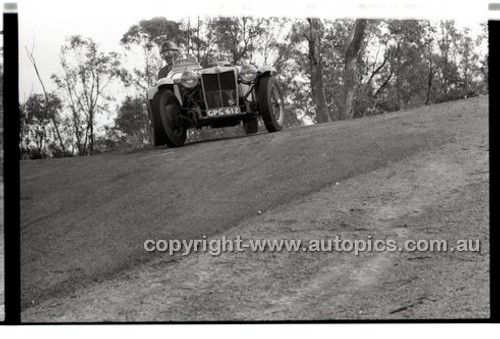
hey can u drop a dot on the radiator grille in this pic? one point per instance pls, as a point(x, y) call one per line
point(219, 89)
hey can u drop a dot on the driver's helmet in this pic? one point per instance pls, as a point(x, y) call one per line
point(168, 45)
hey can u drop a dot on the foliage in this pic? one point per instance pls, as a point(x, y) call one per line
point(37, 136)
point(132, 123)
point(235, 36)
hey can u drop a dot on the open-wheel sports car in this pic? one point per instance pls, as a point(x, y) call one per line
point(224, 95)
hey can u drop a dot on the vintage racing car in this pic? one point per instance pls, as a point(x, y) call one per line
point(224, 95)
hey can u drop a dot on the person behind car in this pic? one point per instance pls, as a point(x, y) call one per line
point(169, 52)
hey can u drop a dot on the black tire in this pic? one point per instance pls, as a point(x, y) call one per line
point(158, 136)
point(166, 106)
point(271, 104)
point(251, 126)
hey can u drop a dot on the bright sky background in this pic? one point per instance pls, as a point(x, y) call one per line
point(46, 23)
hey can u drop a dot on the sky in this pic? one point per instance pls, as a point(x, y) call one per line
point(44, 25)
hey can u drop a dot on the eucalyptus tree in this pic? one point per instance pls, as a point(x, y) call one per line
point(84, 81)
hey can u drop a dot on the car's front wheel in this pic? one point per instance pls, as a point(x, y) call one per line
point(166, 106)
point(251, 126)
point(271, 104)
point(158, 136)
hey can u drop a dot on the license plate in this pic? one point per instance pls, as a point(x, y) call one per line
point(216, 112)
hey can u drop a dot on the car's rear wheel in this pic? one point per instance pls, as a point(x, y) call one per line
point(271, 104)
point(166, 106)
point(251, 126)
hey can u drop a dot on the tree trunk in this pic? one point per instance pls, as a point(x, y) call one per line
point(318, 93)
point(351, 67)
point(429, 83)
point(91, 134)
point(398, 80)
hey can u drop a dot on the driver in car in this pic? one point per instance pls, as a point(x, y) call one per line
point(169, 52)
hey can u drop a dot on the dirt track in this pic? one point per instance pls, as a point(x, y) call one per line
point(406, 175)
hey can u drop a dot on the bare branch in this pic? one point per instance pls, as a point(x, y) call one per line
point(31, 57)
point(375, 72)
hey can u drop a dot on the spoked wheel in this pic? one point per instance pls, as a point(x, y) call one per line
point(166, 106)
point(271, 104)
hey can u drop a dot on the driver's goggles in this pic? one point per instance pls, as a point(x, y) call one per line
point(168, 50)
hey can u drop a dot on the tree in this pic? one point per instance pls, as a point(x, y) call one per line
point(316, 69)
point(374, 70)
point(86, 74)
point(483, 68)
point(448, 76)
point(36, 114)
point(53, 117)
point(132, 122)
point(292, 65)
point(200, 40)
point(469, 64)
point(335, 34)
point(408, 56)
point(235, 36)
point(351, 78)
point(432, 59)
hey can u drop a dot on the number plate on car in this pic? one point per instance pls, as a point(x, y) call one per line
point(216, 112)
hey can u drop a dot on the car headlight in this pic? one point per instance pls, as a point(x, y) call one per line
point(248, 73)
point(189, 79)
